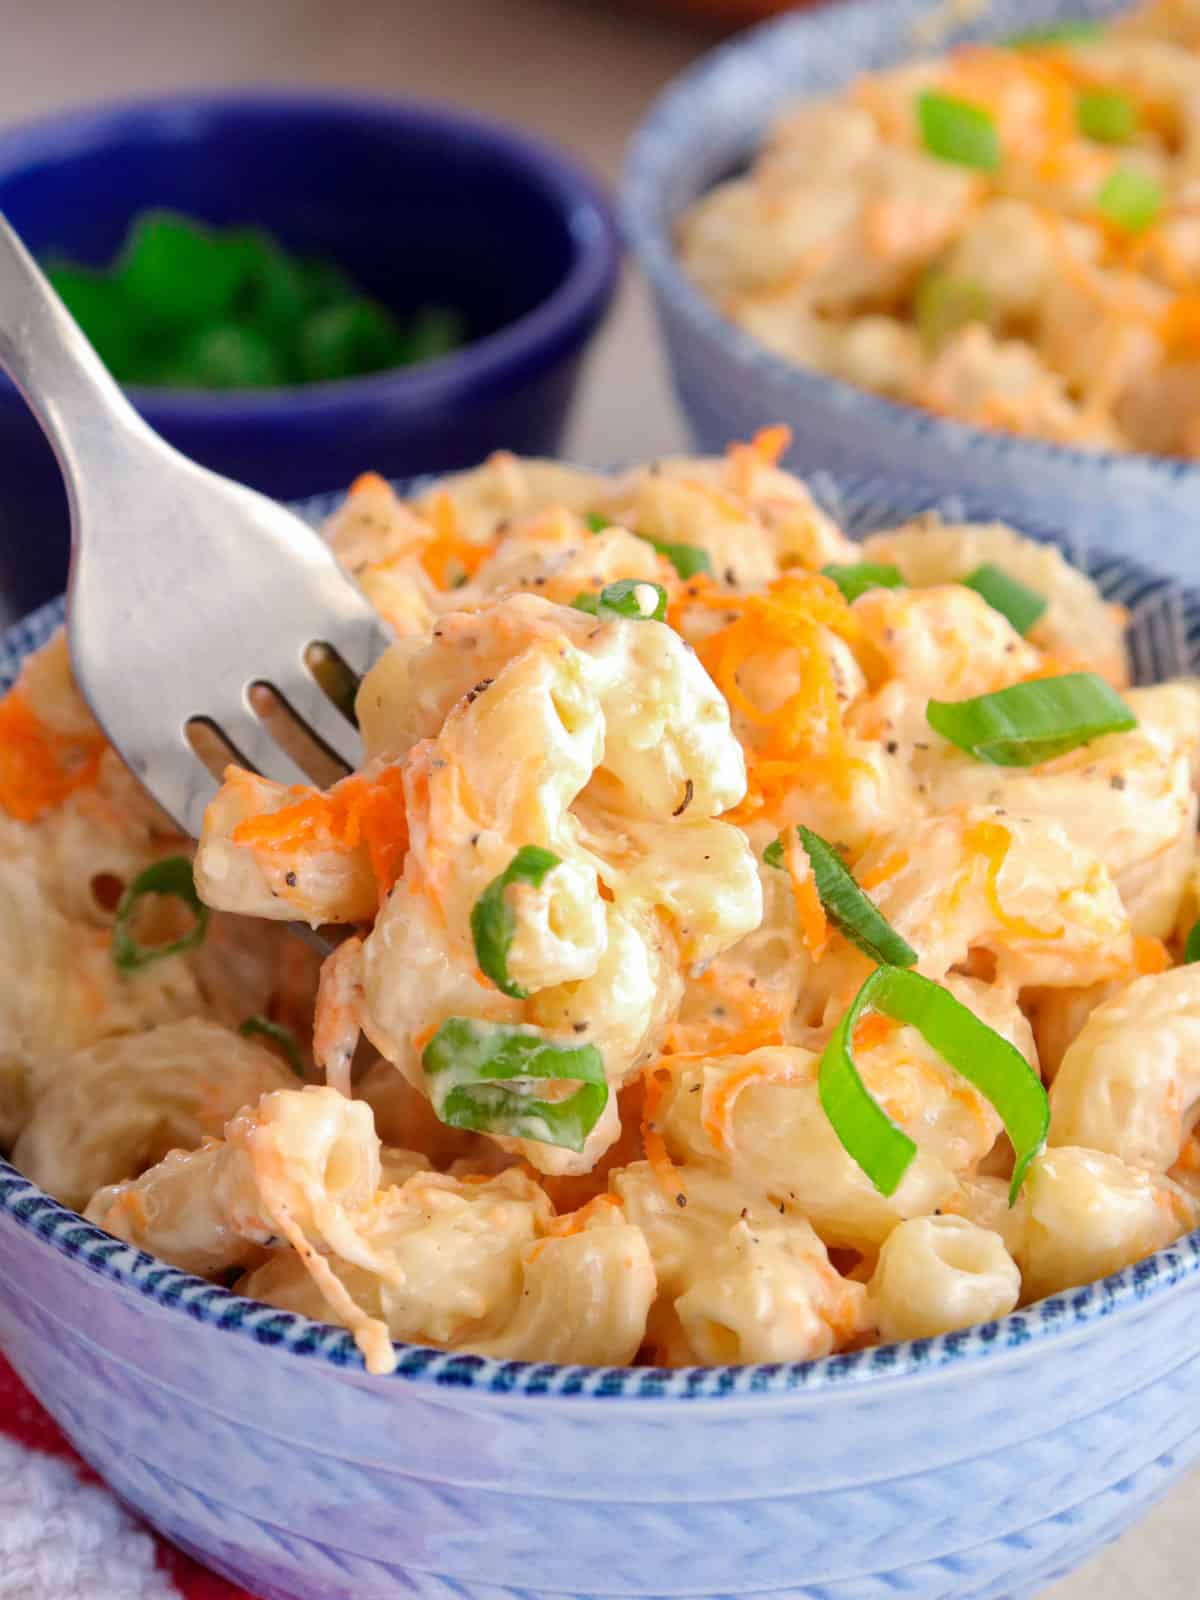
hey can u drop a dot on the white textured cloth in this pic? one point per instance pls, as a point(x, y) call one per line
point(64, 1539)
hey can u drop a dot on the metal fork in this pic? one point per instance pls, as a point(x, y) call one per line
point(185, 590)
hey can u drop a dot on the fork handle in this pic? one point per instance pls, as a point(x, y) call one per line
point(66, 385)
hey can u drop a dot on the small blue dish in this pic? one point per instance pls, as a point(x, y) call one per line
point(975, 1466)
point(417, 202)
point(705, 127)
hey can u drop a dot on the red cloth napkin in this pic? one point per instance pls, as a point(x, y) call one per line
point(43, 1480)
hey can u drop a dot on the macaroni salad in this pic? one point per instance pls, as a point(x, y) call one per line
point(749, 944)
point(1008, 234)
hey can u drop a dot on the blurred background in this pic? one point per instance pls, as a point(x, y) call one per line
point(579, 72)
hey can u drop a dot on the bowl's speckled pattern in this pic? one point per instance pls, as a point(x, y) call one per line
point(980, 1465)
point(705, 126)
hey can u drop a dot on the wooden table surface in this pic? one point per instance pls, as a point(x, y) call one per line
point(578, 71)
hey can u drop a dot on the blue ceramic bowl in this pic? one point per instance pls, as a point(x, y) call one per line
point(417, 202)
point(980, 1464)
point(705, 127)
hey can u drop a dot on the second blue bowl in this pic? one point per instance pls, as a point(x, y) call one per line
point(417, 203)
point(705, 127)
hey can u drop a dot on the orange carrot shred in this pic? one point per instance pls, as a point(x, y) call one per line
point(366, 482)
point(448, 548)
point(40, 767)
point(1149, 954)
point(803, 738)
point(362, 809)
point(992, 842)
point(872, 1029)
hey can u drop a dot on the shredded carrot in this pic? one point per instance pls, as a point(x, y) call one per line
point(448, 549)
point(803, 739)
point(573, 1222)
point(872, 1029)
point(1149, 954)
point(1055, 665)
point(366, 483)
point(769, 444)
point(367, 810)
point(992, 842)
point(887, 868)
point(40, 767)
point(814, 928)
point(1180, 326)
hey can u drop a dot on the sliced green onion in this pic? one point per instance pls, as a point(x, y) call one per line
point(481, 1077)
point(171, 876)
point(957, 131)
point(1011, 599)
point(1031, 722)
point(277, 1034)
point(687, 559)
point(492, 921)
point(628, 598)
point(1191, 950)
point(1130, 199)
point(996, 1068)
point(853, 912)
point(1071, 31)
point(944, 304)
point(857, 578)
point(1106, 115)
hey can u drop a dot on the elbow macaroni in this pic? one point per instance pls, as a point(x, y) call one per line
point(676, 969)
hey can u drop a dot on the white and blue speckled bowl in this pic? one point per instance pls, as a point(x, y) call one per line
point(704, 127)
point(981, 1464)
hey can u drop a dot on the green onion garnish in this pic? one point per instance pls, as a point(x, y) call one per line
point(957, 131)
point(857, 578)
point(943, 304)
point(1070, 31)
point(171, 876)
point(852, 912)
point(493, 923)
point(624, 599)
point(1031, 722)
point(277, 1034)
point(1130, 199)
point(687, 559)
point(996, 1068)
point(1011, 599)
point(1191, 950)
point(1106, 116)
point(480, 1073)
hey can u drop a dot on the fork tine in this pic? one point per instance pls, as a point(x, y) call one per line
point(181, 784)
point(305, 698)
point(355, 632)
point(255, 748)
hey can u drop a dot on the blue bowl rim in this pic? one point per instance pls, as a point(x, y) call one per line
point(500, 360)
point(1046, 1322)
point(649, 158)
